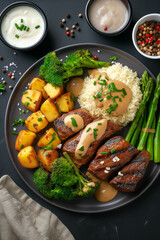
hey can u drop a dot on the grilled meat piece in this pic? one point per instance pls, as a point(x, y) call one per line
point(65, 132)
point(130, 175)
point(113, 155)
point(71, 144)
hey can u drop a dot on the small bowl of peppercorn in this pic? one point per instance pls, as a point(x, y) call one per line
point(146, 36)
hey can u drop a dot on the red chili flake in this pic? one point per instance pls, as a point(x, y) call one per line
point(95, 57)
point(67, 33)
point(148, 35)
point(158, 41)
point(9, 75)
point(142, 42)
point(142, 29)
point(147, 40)
point(105, 28)
point(140, 36)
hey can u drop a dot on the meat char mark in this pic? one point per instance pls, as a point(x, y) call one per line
point(112, 156)
point(71, 144)
point(65, 132)
point(130, 175)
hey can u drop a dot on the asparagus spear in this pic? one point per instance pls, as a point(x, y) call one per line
point(144, 80)
point(137, 132)
point(150, 141)
point(157, 142)
point(146, 96)
point(151, 115)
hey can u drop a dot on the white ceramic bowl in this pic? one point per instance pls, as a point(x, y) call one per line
point(146, 18)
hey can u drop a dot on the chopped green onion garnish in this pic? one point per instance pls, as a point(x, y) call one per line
point(74, 123)
point(16, 25)
point(99, 123)
point(95, 132)
point(27, 29)
point(21, 20)
point(104, 152)
point(120, 100)
point(25, 92)
point(101, 99)
point(20, 113)
point(21, 27)
point(17, 36)
point(23, 111)
point(24, 28)
point(48, 147)
point(81, 148)
point(113, 150)
point(26, 103)
point(27, 111)
point(114, 58)
point(15, 133)
point(94, 97)
point(22, 146)
point(99, 77)
point(94, 83)
point(30, 99)
point(122, 95)
point(106, 78)
point(72, 97)
point(88, 129)
point(37, 26)
point(47, 153)
point(108, 97)
point(39, 119)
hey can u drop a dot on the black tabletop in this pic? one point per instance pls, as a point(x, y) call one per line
point(137, 220)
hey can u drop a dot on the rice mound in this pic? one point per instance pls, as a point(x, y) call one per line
point(116, 72)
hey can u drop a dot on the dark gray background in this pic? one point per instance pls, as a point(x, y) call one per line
point(138, 220)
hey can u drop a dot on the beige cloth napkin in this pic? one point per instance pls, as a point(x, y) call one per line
point(22, 218)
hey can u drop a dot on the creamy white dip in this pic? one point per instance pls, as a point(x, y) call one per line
point(108, 15)
point(30, 18)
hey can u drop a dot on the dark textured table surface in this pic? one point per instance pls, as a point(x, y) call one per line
point(139, 219)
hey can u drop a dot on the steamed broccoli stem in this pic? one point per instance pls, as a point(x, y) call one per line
point(72, 73)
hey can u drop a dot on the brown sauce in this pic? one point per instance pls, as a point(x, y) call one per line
point(75, 86)
point(78, 119)
point(122, 105)
point(105, 192)
point(88, 136)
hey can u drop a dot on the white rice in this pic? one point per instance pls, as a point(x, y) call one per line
point(116, 72)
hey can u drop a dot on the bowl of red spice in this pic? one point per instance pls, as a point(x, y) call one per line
point(146, 36)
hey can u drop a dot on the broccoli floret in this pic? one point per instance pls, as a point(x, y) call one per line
point(62, 173)
point(55, 72)
point(64, 182)
point(42, 181)
point(83, 58)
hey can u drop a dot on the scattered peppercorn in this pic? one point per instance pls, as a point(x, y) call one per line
point(1, 58)
point(63, 20)
point(4, 82)
point(13, 77)
point(72, 35)
point(67, 33)
point(95, 57)
point(61, 25)
point(73, 26)
point(105, 28)
point(80, 15)
point(76, 23)
point(72, 31)
point(148, 38)
point(4, 70)
point(9, 75)
point(68, 15)
point(67, 29)
point(78, 28)
point(10, 87)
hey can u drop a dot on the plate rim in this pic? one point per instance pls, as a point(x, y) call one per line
point(80, 45)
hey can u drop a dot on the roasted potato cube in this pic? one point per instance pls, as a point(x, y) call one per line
point(28, 158)
point(38, 84)
point(65, 102)
point(49, 109)
point(50, 139)
point(25, 138)
point(31, 99)
point(53, 91)
point(46, 157)
point(36, 122)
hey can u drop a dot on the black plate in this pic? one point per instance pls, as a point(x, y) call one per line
point(79, 205)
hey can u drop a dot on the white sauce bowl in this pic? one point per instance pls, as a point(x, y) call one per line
point(34, 41)
point(146, 18)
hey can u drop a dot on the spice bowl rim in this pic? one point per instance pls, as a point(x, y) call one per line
point(110, 34)
point(29, 4)
point(145, 18)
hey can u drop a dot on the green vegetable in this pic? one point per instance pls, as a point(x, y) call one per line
point(104, 152)
point(114, 58)
point(72, 97)
point(39, 119)
point(2, 87)
point(157, 142)
point(150, 141)
point(137, 132)
point(88, 129)
point(151, 114)
point(17, 36)
point(48, 147)
point(17, 122)
point(22, 146)
point(81, 148)
point(26, 103)
point(52, 139)
point(113, 150)
point(146, 97)
point(64, 182)
point(95, 133)
point(14, 132)
point(38, 26)
point(55, 72)
point(74, 123)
